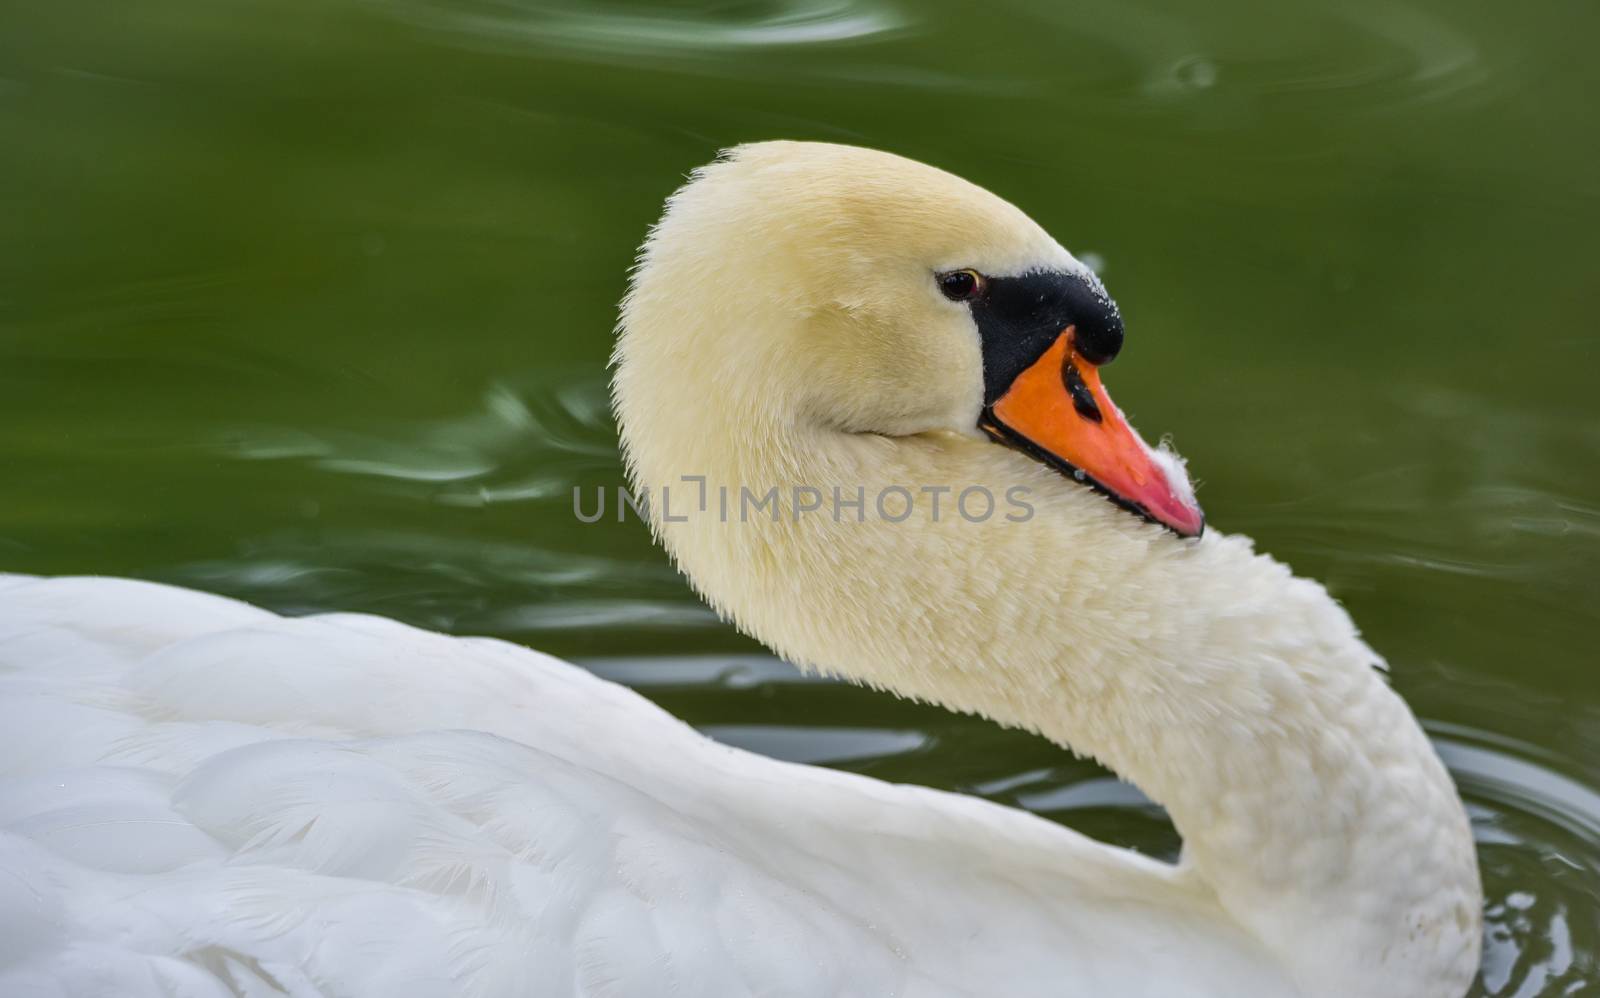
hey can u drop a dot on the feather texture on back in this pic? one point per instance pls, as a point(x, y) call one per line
point(203, 798)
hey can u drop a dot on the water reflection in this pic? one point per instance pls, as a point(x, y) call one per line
point(1388, 54)
point(1538, 835)
point(605, 31)
point(584, 614)
point(818, 746)
point(509, 449)
point(449, 583)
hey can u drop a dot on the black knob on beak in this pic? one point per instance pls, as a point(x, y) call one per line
point(1020, 317)
point(1099, 325)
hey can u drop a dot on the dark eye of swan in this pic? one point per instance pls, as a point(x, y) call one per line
point(961, 285)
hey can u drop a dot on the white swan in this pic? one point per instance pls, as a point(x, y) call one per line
point(203, 798)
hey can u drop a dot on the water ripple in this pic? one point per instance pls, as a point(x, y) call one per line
point(1394, 54)
point(623, 32)
point(520, 445)
point(820, 746)
point(1538, 834)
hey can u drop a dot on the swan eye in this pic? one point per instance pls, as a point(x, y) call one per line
point(961, 285)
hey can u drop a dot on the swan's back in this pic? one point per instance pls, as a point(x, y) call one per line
point(199, 797)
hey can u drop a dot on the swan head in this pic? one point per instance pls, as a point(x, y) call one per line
point(862, 292)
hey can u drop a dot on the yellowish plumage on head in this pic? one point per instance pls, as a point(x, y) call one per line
point(830, 248)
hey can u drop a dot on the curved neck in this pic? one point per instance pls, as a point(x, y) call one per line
point(1237, 696)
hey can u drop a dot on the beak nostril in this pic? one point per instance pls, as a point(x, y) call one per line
point(1082, 397)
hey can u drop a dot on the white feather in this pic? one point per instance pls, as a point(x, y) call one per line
point(457, 825)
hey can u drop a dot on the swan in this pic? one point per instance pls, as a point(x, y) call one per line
point(204, 798)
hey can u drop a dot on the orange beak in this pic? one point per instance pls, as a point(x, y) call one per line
point(1058, 411)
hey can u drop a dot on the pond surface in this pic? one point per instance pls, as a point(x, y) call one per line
point(308, 301)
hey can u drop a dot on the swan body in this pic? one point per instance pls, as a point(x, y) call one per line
point(204, 798)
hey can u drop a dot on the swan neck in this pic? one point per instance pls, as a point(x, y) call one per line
point(1239, 697)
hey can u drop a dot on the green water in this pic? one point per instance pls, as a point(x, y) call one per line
point(307, 302)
